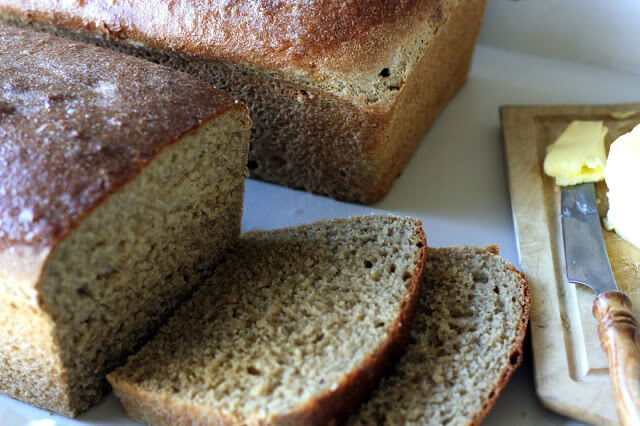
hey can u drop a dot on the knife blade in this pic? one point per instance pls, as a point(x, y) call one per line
point(587, 263)
point(583, 240)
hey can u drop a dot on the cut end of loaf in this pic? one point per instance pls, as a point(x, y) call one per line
point(110, 283)
point(464, 345)
point(296, 326)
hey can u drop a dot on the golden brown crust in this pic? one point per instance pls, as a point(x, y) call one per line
point(307, 35)
point(515, 358)
point(78, 122)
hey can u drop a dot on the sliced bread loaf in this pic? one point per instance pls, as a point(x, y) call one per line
point(115, 173)
point(296, 327)
point(464, 345)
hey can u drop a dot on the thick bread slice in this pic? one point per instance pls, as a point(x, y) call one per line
point(296, 327)
point(465, 343)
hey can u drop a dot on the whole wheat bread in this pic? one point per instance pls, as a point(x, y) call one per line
point(464, 345)
point(296, 327)
point(340, 92)
point(121, 185)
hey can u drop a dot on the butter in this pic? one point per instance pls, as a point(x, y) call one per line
point(578, 155)
point(622, 115)
point(622, 175)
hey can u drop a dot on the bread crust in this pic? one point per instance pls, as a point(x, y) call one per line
point(331, 407)
point(305, 36)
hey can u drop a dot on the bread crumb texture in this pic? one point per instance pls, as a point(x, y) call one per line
point(465, 342)
point(287, 320)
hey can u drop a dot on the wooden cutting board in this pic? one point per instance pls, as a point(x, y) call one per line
point(571, 372)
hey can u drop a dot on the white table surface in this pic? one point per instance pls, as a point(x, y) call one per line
point(455, 183)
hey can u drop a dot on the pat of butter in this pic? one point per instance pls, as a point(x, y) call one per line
point(622, 175)
point(578, 155)
point(622, 115)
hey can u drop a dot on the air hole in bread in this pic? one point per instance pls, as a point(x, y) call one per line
point(6, 108)
point(385, 72)
point(480, 277)
point(278, 161)
point(379, 324)
point(84, 291)
point(419, 244)
point(252, 165)
point(513, 359)
point(392, 88)
point(253, 371)
point(368, 264)
point(496, 290)
point(303, 96)
point(392, 268)
point(406, 275)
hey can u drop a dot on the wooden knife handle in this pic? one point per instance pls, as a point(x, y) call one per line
point(620, 339)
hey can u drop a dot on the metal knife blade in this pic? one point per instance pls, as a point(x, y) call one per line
point(587, 263)
point(584, 250)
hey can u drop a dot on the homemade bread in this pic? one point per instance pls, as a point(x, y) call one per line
point(121, 184)
point(465, 342)
point(295, 328)
point(340, 92)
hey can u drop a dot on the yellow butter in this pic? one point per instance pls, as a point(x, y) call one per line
point(622, 175)
point(622, 115)
point(578, 155)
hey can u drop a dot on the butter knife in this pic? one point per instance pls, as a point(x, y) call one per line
point(588, 264)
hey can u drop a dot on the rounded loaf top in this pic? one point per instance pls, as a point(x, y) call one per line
point(76, 123)
point(303, 35)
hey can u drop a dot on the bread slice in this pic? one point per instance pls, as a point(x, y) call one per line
point(121, 185)
point(295, 328)
point(465, 343)
point(340, 92)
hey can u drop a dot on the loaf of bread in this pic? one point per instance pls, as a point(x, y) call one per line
point(121, 184)
point(340, 92)
point(464, 345)
point(296, 327)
